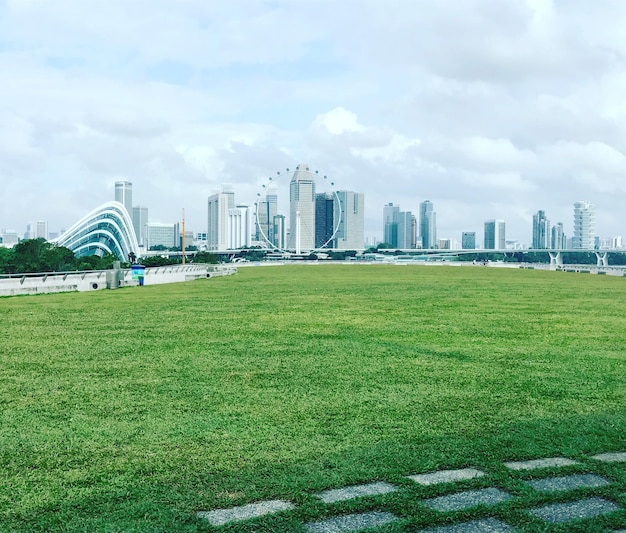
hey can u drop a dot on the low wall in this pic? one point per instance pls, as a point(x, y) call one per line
point(95, 280)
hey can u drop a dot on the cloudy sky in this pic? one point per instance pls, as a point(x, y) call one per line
point(488, 108)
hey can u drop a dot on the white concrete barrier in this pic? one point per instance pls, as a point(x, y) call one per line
point(47, 282)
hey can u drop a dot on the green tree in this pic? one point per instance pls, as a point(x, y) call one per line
point(7, 260)
point(206, 257)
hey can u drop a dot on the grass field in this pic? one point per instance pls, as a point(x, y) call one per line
point(130, 410)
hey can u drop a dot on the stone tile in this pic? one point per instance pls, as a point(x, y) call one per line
point(464, 500)
point(245, 512)
point(540, 463)
point(446, 476)
point(564, 512)
point(351, 522)
point(616, 457)
point(578, 481)
point(356, 491)
point(488, 525)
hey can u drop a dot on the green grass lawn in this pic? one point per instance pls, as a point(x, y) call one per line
point(130, 410)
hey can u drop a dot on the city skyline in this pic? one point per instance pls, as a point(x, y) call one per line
point(488, 110)
point(406, 231)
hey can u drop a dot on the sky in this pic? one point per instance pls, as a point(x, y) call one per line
point(490, 109)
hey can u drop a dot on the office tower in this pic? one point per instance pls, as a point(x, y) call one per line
point(41, 230)
point(541, 231)
point(617, 243)
point(584, 226)
point(279, 229)
point(239, 227)
point(495, 238)
point(217, 229)
point(9, 236)
point(140, 219)
point(351, 232)
point(302, 210)
point(391, 214)
point(267, 209)
point(325, 219)
point(406, 238)
point(558, 239)
point(428, 225)
point(161, 235)
point(468, 240)
point(124, 195)
point(37, 230)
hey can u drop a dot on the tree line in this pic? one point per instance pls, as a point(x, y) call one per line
point(39, 255)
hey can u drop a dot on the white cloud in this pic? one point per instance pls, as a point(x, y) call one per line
point(486, 107)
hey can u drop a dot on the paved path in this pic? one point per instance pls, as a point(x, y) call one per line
point(454, 500)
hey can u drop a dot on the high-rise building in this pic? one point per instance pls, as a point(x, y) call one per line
point(584, 226)
point(325, 220)
point(428, 225)
point(161, 235)
point(541, 231)
point(37, 230)
point(495, 238)
point(267, 209)
point(140, 220)
point(468, 240)
point(302, 210)
point(41, 229)
point(558, 241)
point(406, 228)
point(391, 215)
point(217, 230)
point(239, 227)
point(124, 195)
point(279, 229)
point(351, 229)
point(9, 237)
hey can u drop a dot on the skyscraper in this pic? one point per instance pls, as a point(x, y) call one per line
point(350, 233)
point(584, 226)
point(267, 209)
point(468, 240)
point(406, 228)
point(558, 239)
point(279, 231)
point(495, 238)
point(324, 219)
point(124, 195)
point(428, 225)
point(302, 210)
point(239, 229)
point(140, 219)
point(217, 230)
point(541, 231)
point(391, 214)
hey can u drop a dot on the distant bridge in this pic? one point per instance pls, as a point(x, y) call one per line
point(425, 254)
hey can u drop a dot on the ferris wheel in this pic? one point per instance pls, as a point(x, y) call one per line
point(314, 216)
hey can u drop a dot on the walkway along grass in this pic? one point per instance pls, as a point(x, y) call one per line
point(131, 410)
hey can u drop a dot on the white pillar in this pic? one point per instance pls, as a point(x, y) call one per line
point(556, 260)
point(602, 259)
point(298, 251)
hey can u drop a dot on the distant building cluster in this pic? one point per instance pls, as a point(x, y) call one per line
point(317, 219)
point(401, 230)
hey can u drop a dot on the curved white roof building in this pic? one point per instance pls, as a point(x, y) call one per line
point(107, 228)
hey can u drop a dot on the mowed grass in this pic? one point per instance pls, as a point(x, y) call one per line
point(131, 410)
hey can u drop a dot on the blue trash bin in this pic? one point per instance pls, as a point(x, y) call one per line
point(138, 272)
